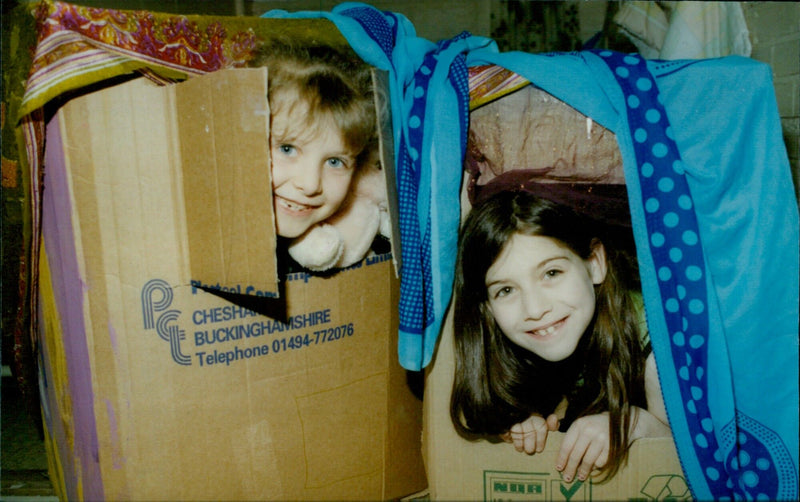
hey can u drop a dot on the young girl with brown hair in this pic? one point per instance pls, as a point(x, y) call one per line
point(549, 335)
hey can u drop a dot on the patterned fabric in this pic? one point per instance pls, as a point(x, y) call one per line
point(674, 244)
point(420, 312)
point(744, 460)
point(82, 45)
point(490, 82)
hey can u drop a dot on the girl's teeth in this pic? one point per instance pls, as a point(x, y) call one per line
point(292, 205)
point(546, 331)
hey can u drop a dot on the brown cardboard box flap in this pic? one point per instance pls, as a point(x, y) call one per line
point(223, 126)
point(192, 155)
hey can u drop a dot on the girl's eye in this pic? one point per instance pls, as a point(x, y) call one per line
point(504, 291)
point(552, 273)
point(337, 163)
point(286, 149)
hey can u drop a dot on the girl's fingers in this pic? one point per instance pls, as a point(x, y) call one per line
point(580, 456)
point(585, 447)
point(517, 437)
point(541, 436)
point(552, 422)
point(529, 436)
point(592, 459)
point(519, 442)
point(529, 444)
point(571, 454)
point(538, 437)
point(525, 437)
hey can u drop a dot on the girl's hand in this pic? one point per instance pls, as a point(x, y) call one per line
point(585, 447)
point(530, 435)
point(586, 444)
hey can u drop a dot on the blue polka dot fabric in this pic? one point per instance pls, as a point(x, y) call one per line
point(675, 247)
point(742, 459)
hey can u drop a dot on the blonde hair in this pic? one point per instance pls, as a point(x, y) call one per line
point(316, 86)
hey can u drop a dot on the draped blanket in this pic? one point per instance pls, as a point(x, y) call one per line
point(710, 194)
point(713, 210)
point(716, 227)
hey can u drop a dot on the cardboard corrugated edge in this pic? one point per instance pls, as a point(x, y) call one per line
point(380, 80)
point(403, 407)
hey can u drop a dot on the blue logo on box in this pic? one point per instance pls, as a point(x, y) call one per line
point(156, 301)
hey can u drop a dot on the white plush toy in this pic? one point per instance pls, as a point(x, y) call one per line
point(346, 237)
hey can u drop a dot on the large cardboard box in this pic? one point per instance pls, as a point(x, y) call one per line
point(459, 469)
point(176, 364)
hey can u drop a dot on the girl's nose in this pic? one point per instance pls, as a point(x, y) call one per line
point(307, 178)
point(537, 304)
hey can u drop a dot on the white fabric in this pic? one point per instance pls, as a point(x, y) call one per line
point(685, 30)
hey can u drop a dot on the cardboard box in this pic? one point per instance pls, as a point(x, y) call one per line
point(459, 469)
point(532, 130)
point(155, 388)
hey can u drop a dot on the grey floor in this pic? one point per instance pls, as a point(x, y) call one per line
point(23, 461)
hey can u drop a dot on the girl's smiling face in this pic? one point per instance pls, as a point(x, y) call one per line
point(541, 294)
point(311, 173)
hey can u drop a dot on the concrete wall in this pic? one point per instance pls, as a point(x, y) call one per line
point(775, 35)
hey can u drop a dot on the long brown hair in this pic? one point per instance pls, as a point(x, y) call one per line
point(497, 383)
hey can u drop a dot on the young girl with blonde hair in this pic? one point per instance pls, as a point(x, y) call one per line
point(322, 128)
